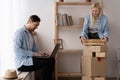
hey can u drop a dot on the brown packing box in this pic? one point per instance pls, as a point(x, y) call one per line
point(87, 78)
point(87, 53)
point(94, 54)
point(95, 48)
point(93, 78)
point(99, 78)
point(93, 66)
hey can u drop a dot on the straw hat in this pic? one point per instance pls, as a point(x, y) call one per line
point(10, 74)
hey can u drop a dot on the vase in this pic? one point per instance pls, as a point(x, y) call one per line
point(88, 0)
point(61, 0)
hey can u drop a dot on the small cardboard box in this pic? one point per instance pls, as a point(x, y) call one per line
point(93, 66)
point(101, 54)
point(95, 48)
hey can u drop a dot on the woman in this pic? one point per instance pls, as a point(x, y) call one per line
point(95, 25)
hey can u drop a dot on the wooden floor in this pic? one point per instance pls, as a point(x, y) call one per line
point(78, 78)
point(70, 78)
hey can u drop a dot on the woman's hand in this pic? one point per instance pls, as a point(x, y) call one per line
point(105, 38)
point(82, 39)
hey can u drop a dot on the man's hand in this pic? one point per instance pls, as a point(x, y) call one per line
point(37, 54)
point(45, 54)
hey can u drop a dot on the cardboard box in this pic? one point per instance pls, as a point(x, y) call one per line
point(93, 78)
point(93, 66)
point(99, 78)
point(87, 78)
point(94, 54)
point(95, 48)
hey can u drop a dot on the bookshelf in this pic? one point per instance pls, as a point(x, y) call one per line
point(57, 29)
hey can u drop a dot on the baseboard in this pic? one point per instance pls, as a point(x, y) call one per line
point(113, 78)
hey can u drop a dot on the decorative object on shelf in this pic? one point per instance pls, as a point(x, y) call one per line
point(61, 0)
point(81, 22)
point(61, 43)
point(88, 0)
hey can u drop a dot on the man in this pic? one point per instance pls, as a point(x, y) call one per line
point(27, 55)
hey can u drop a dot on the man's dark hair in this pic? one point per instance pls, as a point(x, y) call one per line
point(35, 18)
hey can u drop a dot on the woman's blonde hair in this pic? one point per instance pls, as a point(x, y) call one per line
point(97, 5)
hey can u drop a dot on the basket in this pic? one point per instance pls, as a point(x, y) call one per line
point(94, 42)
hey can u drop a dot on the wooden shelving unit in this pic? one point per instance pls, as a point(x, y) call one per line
point(56, 36)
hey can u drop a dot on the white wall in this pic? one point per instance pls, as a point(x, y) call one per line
point(110, 9)
point(45, 9)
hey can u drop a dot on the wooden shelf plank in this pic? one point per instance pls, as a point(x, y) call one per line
point(74, 3)
point(70, 51)
point(74, 26)
point(70, 74)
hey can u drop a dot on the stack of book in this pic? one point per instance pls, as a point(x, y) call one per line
point(64, 20)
